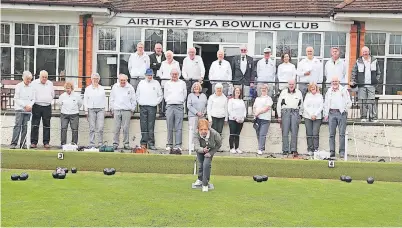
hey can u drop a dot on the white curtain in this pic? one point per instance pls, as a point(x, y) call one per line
point(71, 55)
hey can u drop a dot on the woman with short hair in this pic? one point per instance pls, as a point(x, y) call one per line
point(197, 106)
point(217, 108)
point(94, 105)
point(262, 117)
point(70, 104)
point(312, 108)
point(237, 113)
point(207, 141)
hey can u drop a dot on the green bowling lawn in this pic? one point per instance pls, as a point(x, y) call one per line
point(130, 199)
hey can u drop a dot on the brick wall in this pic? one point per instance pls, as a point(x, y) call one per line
point(353, 44)
point(89, 48)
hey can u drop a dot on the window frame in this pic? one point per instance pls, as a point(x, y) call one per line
point(56, 39)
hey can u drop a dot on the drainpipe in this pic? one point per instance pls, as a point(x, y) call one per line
point(358, 39)
point(84, 52)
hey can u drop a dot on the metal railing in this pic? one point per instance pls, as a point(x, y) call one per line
point(386, 109)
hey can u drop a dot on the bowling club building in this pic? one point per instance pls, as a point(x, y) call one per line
point(78, 37)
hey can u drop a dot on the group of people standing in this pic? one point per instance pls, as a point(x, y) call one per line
point(155, 81)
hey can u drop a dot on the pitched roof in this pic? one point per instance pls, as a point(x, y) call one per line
point(228, 7)
point(370, 6)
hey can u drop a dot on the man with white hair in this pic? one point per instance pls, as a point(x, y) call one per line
point(193, 68)
point(94, 105)
point(138, 63)
point(336, 105)
point(122, 104)
point(366, 74)
point(290, 109)
point(243, 74)
point(221, 72)
point(335, 67)
point(42, 109)
point(175, 95)
point(309, 70)
point(24, 98)
point(164, 75)
point(266, 71)
point(149, 95)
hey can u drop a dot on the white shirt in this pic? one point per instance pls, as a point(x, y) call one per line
point(313, 105)
point(44, 93)
point(337, 68)
point(175, 92)
point(315, 68)
point(261, 103)
point(266, 71)
point(158, 58)
point(149, 93)
point(166, 68)
point(339, 99)
point(292, 100)
point(217, 107)
point(220, 72)
point(367, 71)
point(193, 68)
point(286, 71)
point(236, 109)
point(137, 65)
point(243, 64)
point(70, 103)
point(24, 95)
point(123, 98)
point(94, 97)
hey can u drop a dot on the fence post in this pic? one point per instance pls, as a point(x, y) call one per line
point(346, 145)
point(190, 139)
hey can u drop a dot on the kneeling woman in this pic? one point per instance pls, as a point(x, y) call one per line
point(207, 141)
point(262, 117)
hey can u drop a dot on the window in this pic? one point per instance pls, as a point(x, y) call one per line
point(5, 61)
point(394, 76)
point(152, 37)
point(106, 70)
point(129, 38)
point(24, 34)
point(226, 37)
point(5, 33)
point(287, 42)
point(46, 35)
point(395, 44)
point(263, 40)
point(376, 43)
point(23, 60)
point(334, 39)
point(68, 36)
point(46, 60)
point(177, 41)
point(107, 39)
point(313, 40)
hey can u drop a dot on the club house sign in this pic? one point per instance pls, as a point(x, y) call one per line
point(242, 24)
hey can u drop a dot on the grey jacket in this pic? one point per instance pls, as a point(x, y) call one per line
point(214, 142)
point(196, 104)
point(358, 72)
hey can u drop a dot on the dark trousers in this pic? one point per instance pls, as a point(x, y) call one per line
point(147, 124)
point(235, 129)
point(21, 120)
point(217, 124)
point(313, 134)
point(73, 120)
point(38, 113)
point(162, 105)
point(204, 168)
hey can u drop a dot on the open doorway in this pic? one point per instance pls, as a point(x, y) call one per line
point(208, 55)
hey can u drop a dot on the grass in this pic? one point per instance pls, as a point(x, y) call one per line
point(128, 199)
point(225, 166)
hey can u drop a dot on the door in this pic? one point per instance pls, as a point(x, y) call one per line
point(198, 49)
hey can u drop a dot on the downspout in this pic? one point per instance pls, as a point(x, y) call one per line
point(358, 39)
point(84, 52)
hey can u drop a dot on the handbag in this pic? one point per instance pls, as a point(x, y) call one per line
point(106, 148)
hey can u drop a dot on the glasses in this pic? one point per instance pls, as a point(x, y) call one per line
point(243, 50)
